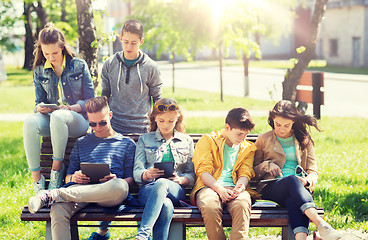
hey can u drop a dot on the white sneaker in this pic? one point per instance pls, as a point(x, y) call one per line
point(39, 185)
point(42, 199)
point(327, 232)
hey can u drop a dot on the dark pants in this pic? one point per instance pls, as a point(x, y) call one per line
point(289, 192)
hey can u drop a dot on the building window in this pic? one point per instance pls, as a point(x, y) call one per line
point(334, 48)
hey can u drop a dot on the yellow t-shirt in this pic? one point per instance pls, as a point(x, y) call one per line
point(61, 97)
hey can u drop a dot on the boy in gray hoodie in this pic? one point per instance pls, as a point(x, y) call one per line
point(131, 80)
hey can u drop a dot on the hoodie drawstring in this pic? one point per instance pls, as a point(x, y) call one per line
point(140, 78)
point(119, 77)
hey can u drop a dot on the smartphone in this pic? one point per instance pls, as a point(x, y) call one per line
point(52, 106)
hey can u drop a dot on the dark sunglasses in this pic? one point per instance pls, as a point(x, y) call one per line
point(164, 108)
point(300, 171)
point(102, 124)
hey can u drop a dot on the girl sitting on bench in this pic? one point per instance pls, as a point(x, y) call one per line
point(165, 142)
point(286, 154)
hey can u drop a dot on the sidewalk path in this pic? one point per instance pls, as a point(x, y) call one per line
point(348, 234)
point(22, 116)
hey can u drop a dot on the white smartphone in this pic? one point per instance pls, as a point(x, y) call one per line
point(52, 106)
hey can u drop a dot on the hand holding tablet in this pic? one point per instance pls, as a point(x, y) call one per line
point(95, 171)
point(168, 168)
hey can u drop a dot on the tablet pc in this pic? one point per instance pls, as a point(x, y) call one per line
point(168, 167)
point(269, 180)
point(95, 171)
point(52, 106)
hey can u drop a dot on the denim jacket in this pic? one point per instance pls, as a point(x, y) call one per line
point(151, 147)
point(76, 81)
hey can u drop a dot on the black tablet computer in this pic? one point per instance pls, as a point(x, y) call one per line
point(168, 167)
point(95, 171)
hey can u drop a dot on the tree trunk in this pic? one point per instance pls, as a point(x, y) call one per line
point(246, 74)
point(63, 11)
point(29, 40)
point(173, 70)
point(41, 13)
point(293, 76)
point(87, 34)
point(220, 63)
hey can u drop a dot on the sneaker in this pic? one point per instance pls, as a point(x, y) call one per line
point(42, 199)
point(39, 185)
point(327, 232)
point(96, 236)
point(56, 178)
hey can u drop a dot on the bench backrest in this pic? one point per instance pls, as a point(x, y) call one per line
point(46, 151)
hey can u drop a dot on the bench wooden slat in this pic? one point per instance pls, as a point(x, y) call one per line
point(188, 217)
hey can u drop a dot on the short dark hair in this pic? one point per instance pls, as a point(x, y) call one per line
point(133, 26)
point(96, 104)
point(239, 118)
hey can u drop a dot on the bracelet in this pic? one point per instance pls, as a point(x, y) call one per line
point(70, 179)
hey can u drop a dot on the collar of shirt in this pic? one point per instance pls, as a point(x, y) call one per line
point(159, 137)
point(49, 65)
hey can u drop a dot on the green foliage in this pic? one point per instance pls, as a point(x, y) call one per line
point(175, 26)
point(8, 17)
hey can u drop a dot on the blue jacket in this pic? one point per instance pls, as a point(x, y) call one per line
point(151, 147)
point(76, 81)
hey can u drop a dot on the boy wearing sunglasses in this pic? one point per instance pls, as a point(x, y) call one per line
point(223, 162)
point(104, 145)
point(131, 80)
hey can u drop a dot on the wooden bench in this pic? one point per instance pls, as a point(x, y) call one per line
point(183, 216)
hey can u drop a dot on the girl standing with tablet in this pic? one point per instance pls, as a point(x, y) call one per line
point(166, 142)
point(62, 79)
point(287, 154)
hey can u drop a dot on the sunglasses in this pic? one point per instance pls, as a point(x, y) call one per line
point(300, 171)
point(164, 108)
point(102, 124)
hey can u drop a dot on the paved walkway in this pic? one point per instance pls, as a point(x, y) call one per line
point(346, 235)
point(22, 116)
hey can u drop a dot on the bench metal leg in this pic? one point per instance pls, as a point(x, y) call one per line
point(48, 235)
point(177, 231)
point(287, 233)
point(74, 231)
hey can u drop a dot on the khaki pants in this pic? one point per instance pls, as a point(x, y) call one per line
point(209, 203)
point(67, 201)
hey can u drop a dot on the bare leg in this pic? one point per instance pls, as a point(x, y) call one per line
point(36, 175)
point(313, 216)
point(300, 236)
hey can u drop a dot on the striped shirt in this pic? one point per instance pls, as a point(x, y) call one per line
point(117, 151)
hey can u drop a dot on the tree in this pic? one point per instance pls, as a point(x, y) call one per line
point(87, 35)
point(8, 19)
point(47, 10)
point(293, 76)
point(176, 26)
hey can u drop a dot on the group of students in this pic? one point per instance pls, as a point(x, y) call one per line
point(219, 168)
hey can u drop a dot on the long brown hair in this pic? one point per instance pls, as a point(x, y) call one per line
point(287, 109)
point(49, 35)
point(179, 126)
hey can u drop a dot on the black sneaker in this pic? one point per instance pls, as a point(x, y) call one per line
point(42, 199)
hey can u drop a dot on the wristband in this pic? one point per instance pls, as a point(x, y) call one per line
point(70, 179)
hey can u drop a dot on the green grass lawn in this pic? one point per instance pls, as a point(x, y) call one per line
point(341, 151)
point(342, 190)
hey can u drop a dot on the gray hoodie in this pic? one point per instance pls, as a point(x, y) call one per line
point(130, 91)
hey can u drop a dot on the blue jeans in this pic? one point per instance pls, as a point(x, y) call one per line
point(159, 199)
point(289, 192)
